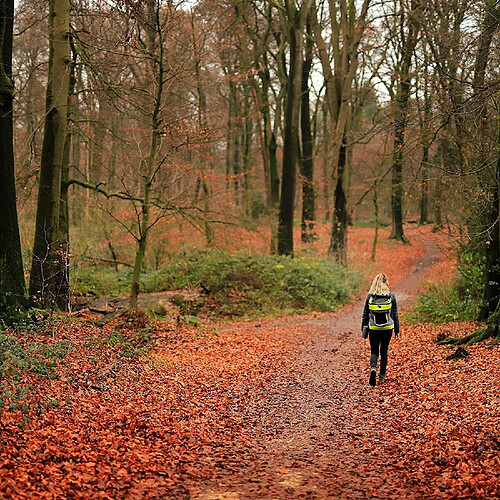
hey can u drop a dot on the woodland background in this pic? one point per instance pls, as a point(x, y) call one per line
point(175, 164)
point(136, 123)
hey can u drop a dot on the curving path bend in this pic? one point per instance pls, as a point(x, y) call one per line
point(320, 427)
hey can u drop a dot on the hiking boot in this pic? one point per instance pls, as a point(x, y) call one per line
point(373, 378)
point(381, 379)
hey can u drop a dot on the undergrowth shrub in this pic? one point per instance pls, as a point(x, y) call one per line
point(133, 333)
point(236, 285)
point(459, 300)
point(19, 356)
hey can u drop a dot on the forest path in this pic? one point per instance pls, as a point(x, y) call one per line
point(320, 427)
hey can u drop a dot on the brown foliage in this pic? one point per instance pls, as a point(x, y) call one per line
point(195, 408)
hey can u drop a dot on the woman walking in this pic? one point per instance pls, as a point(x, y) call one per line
point(380, 319)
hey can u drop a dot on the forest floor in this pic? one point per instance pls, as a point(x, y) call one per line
point(279, 408)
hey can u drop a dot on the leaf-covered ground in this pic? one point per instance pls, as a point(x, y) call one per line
point(279, 408)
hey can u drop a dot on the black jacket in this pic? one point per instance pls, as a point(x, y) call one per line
point(394, 313)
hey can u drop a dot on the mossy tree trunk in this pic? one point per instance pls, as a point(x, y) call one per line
point(492, 271)
point(491, 302)
point(490, 25)
point(49, 269)
point(11, 266)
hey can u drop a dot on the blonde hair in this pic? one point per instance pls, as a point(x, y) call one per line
point(380, 285)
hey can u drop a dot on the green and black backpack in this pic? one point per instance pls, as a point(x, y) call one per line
point(380, 312)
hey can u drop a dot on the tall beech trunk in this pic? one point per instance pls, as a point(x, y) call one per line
point(49, 265)
point(492, 272)
point(326, 172)
point(376, 184)
point(424, 128)
point(308, 223)
point(64, 287)
point(338, 239)
point(247, 152)
point(424, 187)
point(234, 157)
point(269, 139)
point(491, 305)
point(273, 180)
point(11, 266)
point(408, 42)
point(296, 20)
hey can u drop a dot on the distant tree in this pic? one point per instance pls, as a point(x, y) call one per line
point(346, 32)
point(11, 267)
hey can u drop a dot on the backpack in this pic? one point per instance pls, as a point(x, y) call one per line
point(380, 312)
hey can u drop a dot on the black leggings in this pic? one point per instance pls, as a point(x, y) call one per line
point(379, 340)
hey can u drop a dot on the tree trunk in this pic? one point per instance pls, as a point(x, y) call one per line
point(408, 42)
point(235, 142)
point(338, 240)
point(289, 176)
point(376, 184)
point(153, 30)
point(492, 272)
point(397, 175)
point(247, 153)
point(308, 223)
point(49, 264)
point(64, 286)
point(491, 302)
point(424, 187)
point(424, 129)
point(11, 266)
point(203, 126)
point(296, 22)
point(326, 170)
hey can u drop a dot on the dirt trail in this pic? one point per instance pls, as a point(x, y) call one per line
point(320, 426)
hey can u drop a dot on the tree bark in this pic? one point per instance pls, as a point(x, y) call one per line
point(424, 187)
point(308, 223)
point(49, 264)
point(408, 42)
point(376, 184)
point(338, 239)
point(295, 23)
point(11, 266)
point(424, 129)
point(247, 152)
